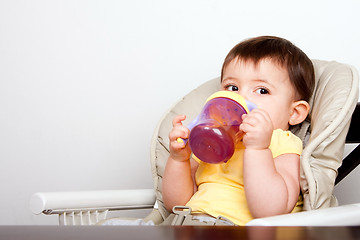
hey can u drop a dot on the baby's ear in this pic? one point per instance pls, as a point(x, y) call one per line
point(300, 110)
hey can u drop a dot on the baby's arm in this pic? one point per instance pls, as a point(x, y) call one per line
point(271, 185)
point(178, 180)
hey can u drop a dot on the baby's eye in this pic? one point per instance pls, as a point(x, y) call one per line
point(232, 88)
point(262, 91)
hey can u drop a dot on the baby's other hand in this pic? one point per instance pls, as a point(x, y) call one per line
point(179, 150)
point(258, 128)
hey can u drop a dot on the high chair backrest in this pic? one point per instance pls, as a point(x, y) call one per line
point(323, 133)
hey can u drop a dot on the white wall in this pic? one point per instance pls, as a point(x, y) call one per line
point(83, 83)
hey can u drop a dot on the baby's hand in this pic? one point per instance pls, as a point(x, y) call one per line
point(179, 151)
point(258, 128)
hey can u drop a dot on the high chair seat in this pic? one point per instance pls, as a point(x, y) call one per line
point(323, 134)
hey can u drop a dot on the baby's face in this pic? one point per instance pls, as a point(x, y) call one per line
point(266, 84)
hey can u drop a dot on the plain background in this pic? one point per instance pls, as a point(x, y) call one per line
point(83, 83)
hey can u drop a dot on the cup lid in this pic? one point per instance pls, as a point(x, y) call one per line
point(230, 95)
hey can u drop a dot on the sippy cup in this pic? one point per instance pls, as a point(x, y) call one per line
point(213, 133)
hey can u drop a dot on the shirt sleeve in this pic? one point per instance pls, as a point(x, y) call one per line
point(283, 142)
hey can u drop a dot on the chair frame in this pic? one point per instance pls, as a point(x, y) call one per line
point(89, 207)
point(351, 161)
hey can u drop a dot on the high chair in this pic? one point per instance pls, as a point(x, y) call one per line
point(323, 133)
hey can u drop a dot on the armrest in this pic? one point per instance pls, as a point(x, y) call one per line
point(346, 215)
point(57, 202)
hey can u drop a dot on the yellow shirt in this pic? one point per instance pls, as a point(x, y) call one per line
point(221, 188)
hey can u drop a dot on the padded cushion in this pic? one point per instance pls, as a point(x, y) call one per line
point(333, 102)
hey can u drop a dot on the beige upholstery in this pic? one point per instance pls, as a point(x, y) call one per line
point(334, 100)
point(323, 133)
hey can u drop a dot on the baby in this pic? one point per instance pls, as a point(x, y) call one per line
point(262, 177)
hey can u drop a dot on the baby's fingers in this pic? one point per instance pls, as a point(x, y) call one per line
point(179, 132)
point(178, 120)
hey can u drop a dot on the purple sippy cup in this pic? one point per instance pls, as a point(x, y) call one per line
point(213, 134)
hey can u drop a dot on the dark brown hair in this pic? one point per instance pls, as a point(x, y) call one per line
point(283, 52)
